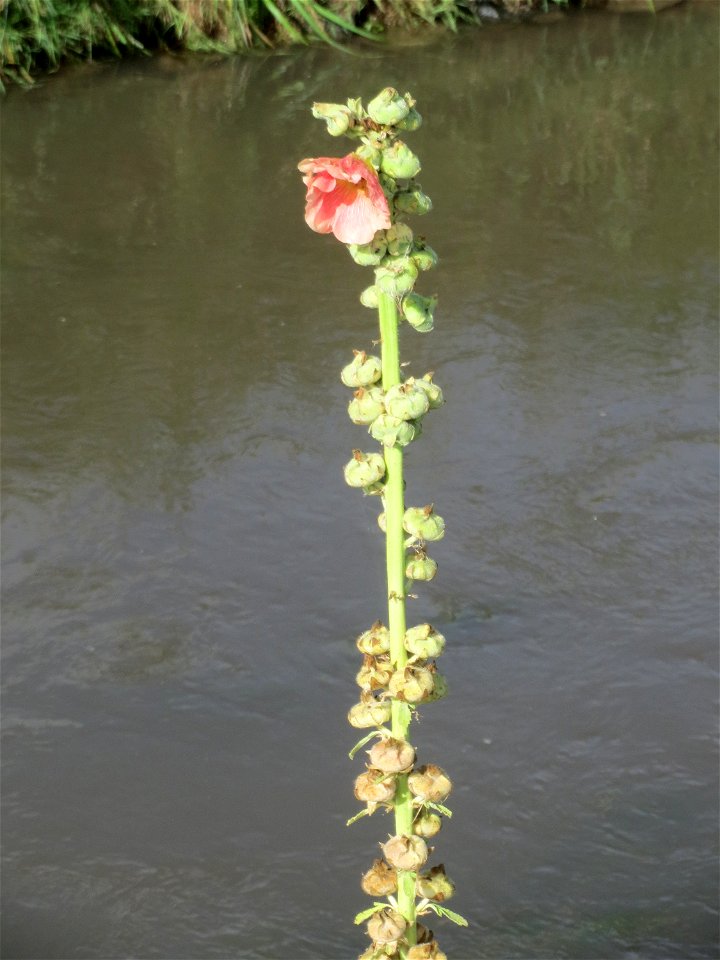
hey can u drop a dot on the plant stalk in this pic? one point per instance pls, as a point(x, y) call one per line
point(395, 558)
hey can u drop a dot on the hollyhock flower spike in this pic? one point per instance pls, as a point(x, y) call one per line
point(344, 197)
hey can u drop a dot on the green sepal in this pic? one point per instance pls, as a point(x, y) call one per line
point(444, 912)
point(365, 914)
point(352, 820)
point(445, 811)
point(361, 743)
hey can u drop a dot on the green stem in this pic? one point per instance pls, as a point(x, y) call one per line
point(396, 560)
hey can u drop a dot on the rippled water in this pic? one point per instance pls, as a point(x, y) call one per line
point(185, 572)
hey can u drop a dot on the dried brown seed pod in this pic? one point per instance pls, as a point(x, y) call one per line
point(386, 926)
point(373, 787)
point(413, 684)
point(435, 884)
point(426, 951)
point(374, 641)
point(427, 825)
point(430, 782)
point(369, 712)
point(392, 756)
point(405, 853)
point(380, 880)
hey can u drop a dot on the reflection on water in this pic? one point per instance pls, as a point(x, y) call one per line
point(179, 549)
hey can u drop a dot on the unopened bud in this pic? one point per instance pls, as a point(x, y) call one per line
point(388, 107)
point(374, 641)
point(392, 431)
point(399, 240)
point(337, 117)
point(366, 405)
point(362, 371)
point(422, 523)
point(421, 567)
point(369, 297)
point(407, 401)
point(424, 642)
point(369, 713)
point(419, 311)
point(369, 254)
point(433, 391)
point(412, 201)
point(423, 256)
point(364, 469)
point(396, 276)
point(412, 684)
point(398, 161)
point(411, 122)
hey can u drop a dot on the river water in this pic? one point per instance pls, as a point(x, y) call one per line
point(185, 571)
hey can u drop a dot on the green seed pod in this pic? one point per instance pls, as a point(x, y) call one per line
point(426, 951)
point(376, 489)
point(374, 674)
point(427, 825)
point(424, 642)
point(405, 853)
point(398, 161)
point(366, 405)
point(421, 567)
point(412, 684)
point(396, 276)
point(407, 401)
point(388, 107)
point(419, 311)
point(412, 201)
point(369, 254)
point(380, 880)
point(369, 713)
point(440, 688)
point(435, 885)
point(375, 641)
point(362, 371)
point(411, 122)
point(433, 391)
point(391, 431)
point(430, 782)
point(337, 117)
point(423, 256)
point(369, 297)
point(399, 240)
point(422, 523)
point(392, 756)
point(364, 469)
point(373, 787)
point(388, 185)
point(386, 926)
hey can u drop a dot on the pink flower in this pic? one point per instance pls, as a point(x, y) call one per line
point(344, 197)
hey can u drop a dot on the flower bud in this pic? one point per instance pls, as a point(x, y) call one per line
point(364, 469)
point(370, 153)
point(423, 642)
point(426, 951)
point(430, 782)
point(433, 391)
point(419, 311)
point(369, 254)
point(398, 161)
point(412, 201)
point(427, 825)
point(380, 880)
point(412, 684)
point(435, 885)
point(407, 401)
point(369, 297)
point(392, 756)
point(399, 239)
point(369, 713)
point(440, 688)
point(392, 431)
point(373, 787)
point(374, 641)
point(337, 117)
point(386, 926)
point(362, 371)
point(421, 567)
point(388, 107)
point(366, 405)
point(405, 853)
point(422, 523)
point(396, 276)
point(374, 674)
point(423, 256)
point(411, 122)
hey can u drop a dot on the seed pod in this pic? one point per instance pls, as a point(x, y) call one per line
point(423, 256)
point(376, 489)
point(440, 688)
point(362, 371)
point(382, 522)
point(398, 161)
point(405, 853)
point(411, 122)
point(386, 926)
point(369, 254)
point(399, 239)
point(430, 782)
point(369, 713)
point(426, 951)
point(364, 469)
point(423, 934)
point(374, 641)
point(366, 405)
point(392, 431)
point(388, 107)
point(421, 567)
point(427, 825)
point(396, 276)
point(422, 523)
point(392, 756)
point(424, 642)
point(370, 787)
point(412, 684)
point(380, 879)
point(433, 391)
point(369, 297)
point(419, 311)
point(435, 885)
point(374, 674)
point(412, 201)
point(337, 117)
point(406, 401)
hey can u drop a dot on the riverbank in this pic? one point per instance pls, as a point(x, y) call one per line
point(37, 37)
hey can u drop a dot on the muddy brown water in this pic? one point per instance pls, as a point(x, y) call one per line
point(185, 572)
